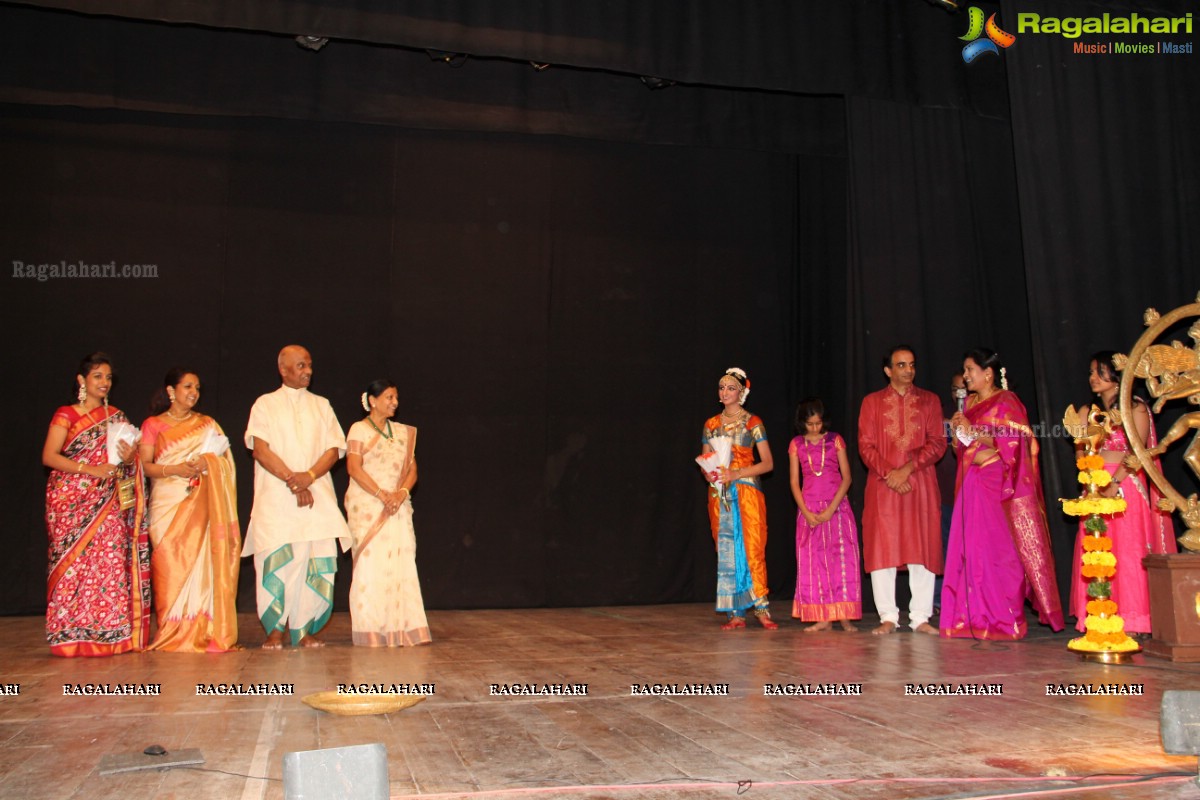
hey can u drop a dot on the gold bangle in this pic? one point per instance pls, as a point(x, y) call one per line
point(311, 474)
point(405, 489)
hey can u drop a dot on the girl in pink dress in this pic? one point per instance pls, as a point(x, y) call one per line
point(828, 572)
point(1138, 531)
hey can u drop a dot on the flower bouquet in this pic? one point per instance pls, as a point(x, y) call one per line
point(214, 442)
point(122, 432)
point(119, 432)
point(711, 463)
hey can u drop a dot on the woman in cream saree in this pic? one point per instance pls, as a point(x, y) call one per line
point(386, 609)
point(194, 531)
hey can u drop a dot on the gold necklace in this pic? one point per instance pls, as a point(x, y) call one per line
point(186, 416)
point(736, 419)
point(808, 455)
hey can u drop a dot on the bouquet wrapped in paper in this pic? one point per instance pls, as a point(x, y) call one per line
point(722, 451)
point(214, 442)
point(121, 432)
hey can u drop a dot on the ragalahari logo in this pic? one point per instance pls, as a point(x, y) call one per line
point(996, 40)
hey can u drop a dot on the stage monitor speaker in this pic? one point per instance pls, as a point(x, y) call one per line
point(359, 772)
point(1180, 722)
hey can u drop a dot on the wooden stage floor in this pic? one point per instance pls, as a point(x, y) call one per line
point(465, 742)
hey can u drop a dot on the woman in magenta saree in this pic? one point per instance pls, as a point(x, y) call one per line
point(999, 551)
point(98, 588)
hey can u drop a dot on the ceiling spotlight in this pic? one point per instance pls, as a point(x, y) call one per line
point(656, 83)
point(313, 43)
point(539, 66)
point(446, 57)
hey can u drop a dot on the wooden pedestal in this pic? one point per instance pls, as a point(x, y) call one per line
point(1174, 606)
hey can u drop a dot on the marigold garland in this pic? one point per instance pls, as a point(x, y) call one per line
point(1105, 629)
point(1101, 558)
point(1092, 544)
point(1086, 506)
point(1084, 645)
point(1109, 624)
point(1099, 563)
point(1098, 607)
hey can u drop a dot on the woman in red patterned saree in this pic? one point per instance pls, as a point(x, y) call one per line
point(193, 521)
point(98, 589)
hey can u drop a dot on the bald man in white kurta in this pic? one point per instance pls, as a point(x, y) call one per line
point(295, 520)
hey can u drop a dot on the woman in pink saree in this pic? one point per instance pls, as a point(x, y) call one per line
point(1141, 528)
point(386, 609)
point(193, 521)
point(999, 551)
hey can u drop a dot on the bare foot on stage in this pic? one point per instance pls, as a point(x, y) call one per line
point(847, 625)
point(926, 628)
point(817, 627)
point(884, 629)
point(274, 641)
point(312, 640)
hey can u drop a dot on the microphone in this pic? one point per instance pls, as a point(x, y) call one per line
point(960, 398)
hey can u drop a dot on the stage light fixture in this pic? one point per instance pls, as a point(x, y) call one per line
point(539, 66)
point(1179, 723)
point(313, 43)
point(946, 5)
point(446, 57)
point(652, 83)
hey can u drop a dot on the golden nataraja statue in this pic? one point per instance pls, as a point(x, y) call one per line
point(1170, 372)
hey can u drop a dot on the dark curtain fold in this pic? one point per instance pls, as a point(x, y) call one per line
point(1108, 178)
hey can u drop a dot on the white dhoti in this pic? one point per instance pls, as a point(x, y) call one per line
point(295, 587)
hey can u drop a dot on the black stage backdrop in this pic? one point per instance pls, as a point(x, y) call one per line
point(557, 265)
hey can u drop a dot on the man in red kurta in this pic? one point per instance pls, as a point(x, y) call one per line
point(900, 439)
